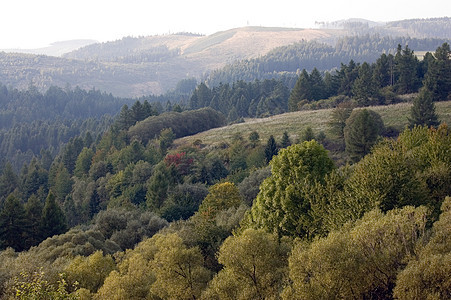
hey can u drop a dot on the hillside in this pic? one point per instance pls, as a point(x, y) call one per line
point(137, 66)
point(392, 115)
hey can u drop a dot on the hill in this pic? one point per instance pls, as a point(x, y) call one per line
point(137, 66)
point(55, 49)
point(392, 115)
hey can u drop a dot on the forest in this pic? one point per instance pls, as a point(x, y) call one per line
point(114, 208)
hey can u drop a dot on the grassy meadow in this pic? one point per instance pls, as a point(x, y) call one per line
point(295, 122)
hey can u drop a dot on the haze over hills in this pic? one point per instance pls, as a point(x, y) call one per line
point(136, 66)
point(55, 49)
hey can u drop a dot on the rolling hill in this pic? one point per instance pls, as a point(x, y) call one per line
point(137, 66)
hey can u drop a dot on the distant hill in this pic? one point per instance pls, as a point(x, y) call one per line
point(147, 65)
point(136, 66)
point(55, 49)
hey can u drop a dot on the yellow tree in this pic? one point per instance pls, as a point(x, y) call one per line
point(255, 265)
point(178, 270)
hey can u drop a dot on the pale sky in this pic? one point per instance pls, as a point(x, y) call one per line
point(38, 23)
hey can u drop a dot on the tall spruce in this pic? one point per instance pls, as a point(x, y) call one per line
point(271, 149)
point(13, 224)
point(423, 110)
point(53, 220)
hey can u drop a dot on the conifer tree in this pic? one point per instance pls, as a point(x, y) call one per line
point(13, 224)
point(270, 149)
point(423, 110)
point(53, 220)
point(362, 129)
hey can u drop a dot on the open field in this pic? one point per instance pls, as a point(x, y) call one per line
point(295, 122)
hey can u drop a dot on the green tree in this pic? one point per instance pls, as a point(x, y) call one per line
point(166, 139)
point(63, 183)
point(255, 266)
point(406, 64)
point(285, 142)
point(53, 220)
point(361, 132)
point(307, 135)
point(363, 88)
point(423, 110)
point(438, 76)
point(271, 149)
point(33, 209)
point(338, 119)
point(83, 163)
point(427, 274)
point(13, 224)
point(254, 138)
point(358, 262)
point(281, 206)
point(301, 91)
point(157, 187)
point(134, 276)
point(8, 181)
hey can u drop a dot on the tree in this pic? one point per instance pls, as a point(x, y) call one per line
point(8, 181)
point(33, 209)
point(358, 262)
point(221, 196)
point(271, 149)
point(90, 272)
point(53, 220)
point(178, 270)
point(338, 118)
point(423, 110)
point(426, 276)
point(361, 132)
point(406, 64)
point(157, 188)
point(363, 88)
point(438, 76)
point(255, 266)
point(166, 139)
point(281, 206)
point(301, 91)
point(83, 163)
point(285, 142)
point(254, 138)
point(13, 224)
point(307, 135)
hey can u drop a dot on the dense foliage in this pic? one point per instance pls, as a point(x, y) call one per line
point(132, 214)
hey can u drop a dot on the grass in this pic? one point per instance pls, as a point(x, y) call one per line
point(295, 122)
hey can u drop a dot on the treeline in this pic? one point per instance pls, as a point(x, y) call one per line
point(25, 106)
point(313, 54)
point(32, 121)
point(244, 99)
point(378, 83)
point(125, 50)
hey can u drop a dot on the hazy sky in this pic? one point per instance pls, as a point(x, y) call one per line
point(37, 23)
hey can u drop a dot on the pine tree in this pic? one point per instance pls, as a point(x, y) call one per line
point(362, 129)
point(33, 209)
point(53, 220)
point(301, 91)
point(13, 224)
point(285, 142)
point(270, 149)
point(423, 110)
